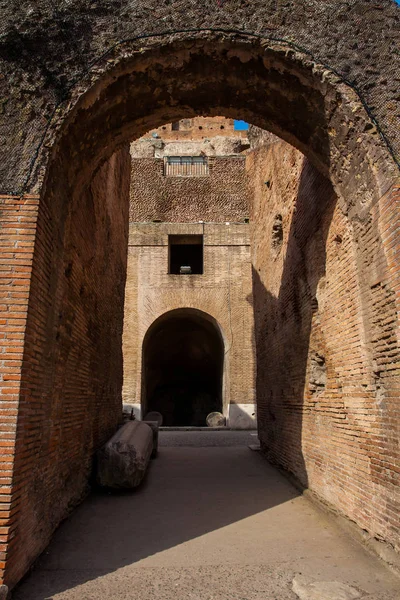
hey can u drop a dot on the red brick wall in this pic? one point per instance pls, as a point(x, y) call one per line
point(70, 396)
point(326, 292)
point(326, 338)
point(17, 237)
point(221, 196)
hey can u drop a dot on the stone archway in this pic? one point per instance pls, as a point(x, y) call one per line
point(69, 362)
point(182, 373)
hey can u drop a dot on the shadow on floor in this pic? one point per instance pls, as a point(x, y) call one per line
point(188, 492)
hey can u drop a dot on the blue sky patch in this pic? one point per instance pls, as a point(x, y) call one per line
point(242, 125)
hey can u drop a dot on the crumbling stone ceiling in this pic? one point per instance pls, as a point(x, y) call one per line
point(52, 52)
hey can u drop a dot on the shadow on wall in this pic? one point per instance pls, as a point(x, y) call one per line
point(110, 532)
point(287, 326)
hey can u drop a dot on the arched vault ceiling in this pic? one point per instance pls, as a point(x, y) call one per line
point(50, 50)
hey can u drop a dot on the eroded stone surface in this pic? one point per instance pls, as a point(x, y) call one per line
point(228, 527)
point(154, 426)
point(123, 461)
point(215, 419)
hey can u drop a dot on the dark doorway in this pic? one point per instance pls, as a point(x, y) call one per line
point(183, 356)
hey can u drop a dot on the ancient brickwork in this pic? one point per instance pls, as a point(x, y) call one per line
point(75, 91)
point(326, 338)
point(220, 196)
point(17, 238)
point(215, 205)
point(223, 291)
point(70, 395)
point(198, 128)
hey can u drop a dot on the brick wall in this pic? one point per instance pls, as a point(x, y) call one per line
point(221, 196)
point(17, 239)
point(326, 338)
point(223, 291)
point(70, 387)
point(306, 102)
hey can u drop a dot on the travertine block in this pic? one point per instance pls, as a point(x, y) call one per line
point(123, 461)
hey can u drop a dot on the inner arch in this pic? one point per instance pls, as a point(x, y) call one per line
point(183, 357)
point(269, 85)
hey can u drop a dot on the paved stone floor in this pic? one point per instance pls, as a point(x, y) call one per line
point(212, 521)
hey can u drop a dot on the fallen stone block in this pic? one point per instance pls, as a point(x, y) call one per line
point(154, 428)
point(215, 419)
point(122, 462)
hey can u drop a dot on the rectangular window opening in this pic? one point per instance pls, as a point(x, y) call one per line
point(186, 166)
point(185, 254)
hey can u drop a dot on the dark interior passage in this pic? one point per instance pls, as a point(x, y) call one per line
point(183, 356)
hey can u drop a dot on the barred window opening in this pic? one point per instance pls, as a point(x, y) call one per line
point(186, 166)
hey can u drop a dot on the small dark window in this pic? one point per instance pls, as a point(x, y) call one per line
point(175, 126)
point(185, 254)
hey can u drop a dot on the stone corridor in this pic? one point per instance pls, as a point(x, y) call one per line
point(212, 521)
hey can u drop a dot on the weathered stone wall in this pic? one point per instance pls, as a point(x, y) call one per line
point(71, 366)
point(223, 291)
point(198, 128)
point(220, 196)
point(217, 145)
point(326, 339)
point(260, 137)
